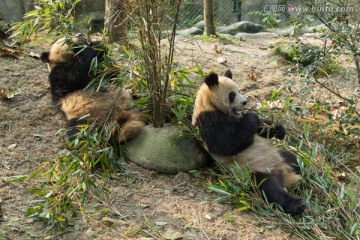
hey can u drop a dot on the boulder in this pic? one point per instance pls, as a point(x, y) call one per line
point(297, 52)
point(12, 10)
point(292, 31)
point(200, 25)
point(243, 26)
point(316, 28)
point(254, 35)
point(285, 32)
point(190, 31)
point(228, 36)
point(165, 150)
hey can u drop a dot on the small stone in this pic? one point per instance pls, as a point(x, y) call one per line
point(192, 194)
point(18, 74)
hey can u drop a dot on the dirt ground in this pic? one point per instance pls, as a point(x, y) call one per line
point(171, 204)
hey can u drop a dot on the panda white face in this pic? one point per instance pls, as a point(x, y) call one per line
point(223, 93)
point(219, 93)
point(62, 51)
point(231, 101)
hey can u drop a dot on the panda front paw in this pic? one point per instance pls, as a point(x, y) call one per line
point(267, 130)
point(251, 117)
point(279, 132)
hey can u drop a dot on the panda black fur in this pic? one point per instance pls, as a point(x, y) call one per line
point(233, 136)
point(70, 61)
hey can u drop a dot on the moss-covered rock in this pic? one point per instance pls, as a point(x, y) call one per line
point(164, 150)
point(243, 26)
point(296, 52)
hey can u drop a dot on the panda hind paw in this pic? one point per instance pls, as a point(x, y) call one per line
point(295, 206)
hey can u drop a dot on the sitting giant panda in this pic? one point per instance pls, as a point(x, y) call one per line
point(69, 62)
point(233, 136)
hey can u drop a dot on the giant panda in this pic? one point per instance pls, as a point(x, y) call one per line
point(233, 136)
point(70, 61)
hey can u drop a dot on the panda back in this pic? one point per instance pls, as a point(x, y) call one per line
point(98, 104)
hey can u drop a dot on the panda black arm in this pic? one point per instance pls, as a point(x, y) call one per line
point(268, 130)
point(45, 57)
point(227, 136)
point(74, 75)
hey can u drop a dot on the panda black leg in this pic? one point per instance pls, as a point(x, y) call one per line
point(73, 129)
point(273, 188)
point(290, 159)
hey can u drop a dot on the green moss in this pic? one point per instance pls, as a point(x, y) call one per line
point(306, 55)
point(298, 53)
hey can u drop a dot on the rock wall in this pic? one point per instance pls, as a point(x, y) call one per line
point(94, 9)
point(13, 10)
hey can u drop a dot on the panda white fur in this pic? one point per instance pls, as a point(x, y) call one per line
point(70, 61)
point(233, 136)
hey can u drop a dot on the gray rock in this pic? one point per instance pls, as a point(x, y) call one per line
point(243, 26)
point(292, 31)
point(224, 30)
point(12, 10)
point(315, 28)
point(285, 32)
point(190, 31)
point(254, 35)
point(227, 36)
point(200, 25)
point(164, 150)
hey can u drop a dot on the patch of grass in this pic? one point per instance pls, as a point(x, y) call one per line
point(70, 185)
point(218, 38)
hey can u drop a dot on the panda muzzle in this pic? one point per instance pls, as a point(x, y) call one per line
point(237, 111)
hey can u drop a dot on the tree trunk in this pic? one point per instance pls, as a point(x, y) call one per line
point(116, 20)
point(209, 24)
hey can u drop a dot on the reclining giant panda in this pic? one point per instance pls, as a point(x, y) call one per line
point(233, 136)
point(69, 62)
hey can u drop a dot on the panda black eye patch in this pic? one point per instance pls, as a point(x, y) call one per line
point(232, 96)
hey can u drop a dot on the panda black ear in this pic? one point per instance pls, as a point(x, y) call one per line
point(212, 80)
point(45, 57)
point(228, 74)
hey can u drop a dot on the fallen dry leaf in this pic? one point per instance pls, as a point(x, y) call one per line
point(7, 94)
point(19, 53)
point(254, 76)
point(9, 43)
point(217, 49)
